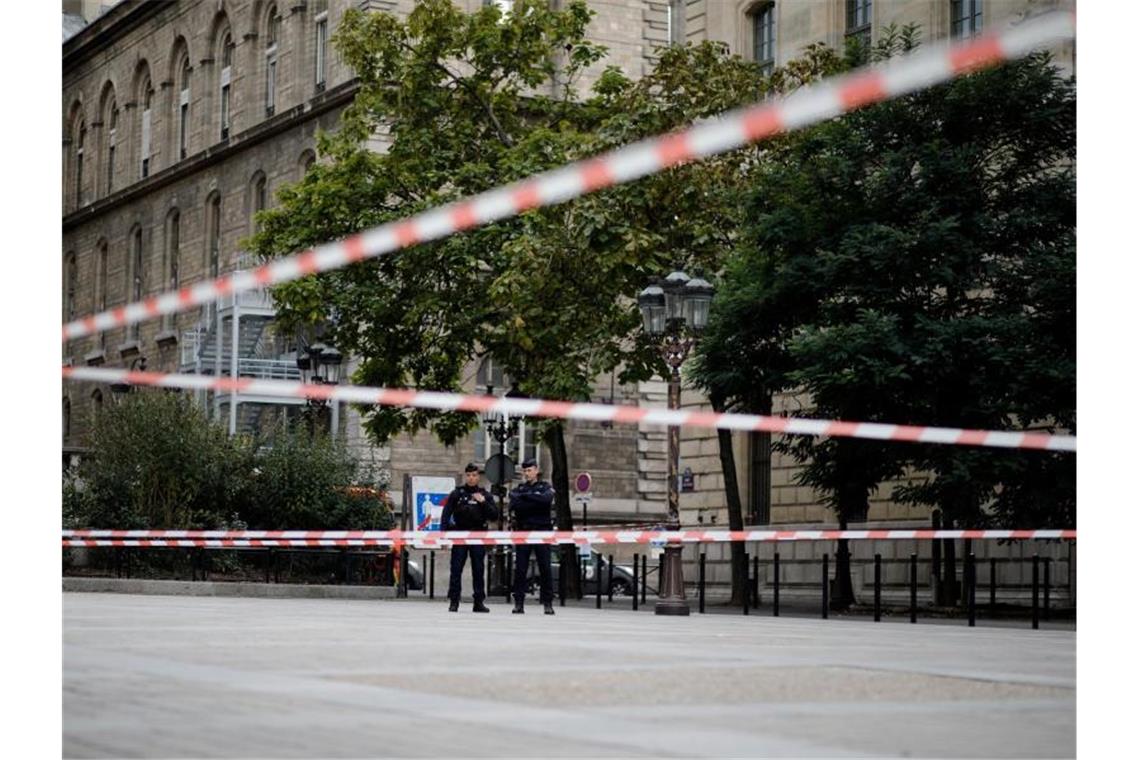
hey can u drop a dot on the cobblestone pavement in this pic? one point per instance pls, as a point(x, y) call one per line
point(163, 676)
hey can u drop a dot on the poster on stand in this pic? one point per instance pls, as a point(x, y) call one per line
point(428, 495)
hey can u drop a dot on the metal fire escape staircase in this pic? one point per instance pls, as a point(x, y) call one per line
point(213, 347)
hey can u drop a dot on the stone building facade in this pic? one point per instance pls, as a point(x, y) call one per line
point(182, 118)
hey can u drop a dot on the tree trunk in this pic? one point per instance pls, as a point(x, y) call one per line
point(844, 595)
point(852, 501)
point(735, 509)
point(949, 570)
point(563, 517)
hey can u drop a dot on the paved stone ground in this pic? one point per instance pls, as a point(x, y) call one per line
point(163, 676)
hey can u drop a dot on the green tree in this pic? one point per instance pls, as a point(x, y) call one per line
point(463, 100)
point(155, 461)
point(310, 481)
point(914, 262)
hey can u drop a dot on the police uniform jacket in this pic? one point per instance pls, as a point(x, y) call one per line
point(462, 512)
point(531, 504)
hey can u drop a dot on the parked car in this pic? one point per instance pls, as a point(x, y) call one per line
point(622, 583)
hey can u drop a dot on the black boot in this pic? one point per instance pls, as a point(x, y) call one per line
point(480, 607)
point(548, 608)
point(518, 610)
point(454, 606)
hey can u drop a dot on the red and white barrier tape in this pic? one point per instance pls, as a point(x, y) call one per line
point(431, 539)
point(580, 411)
point(805, 107)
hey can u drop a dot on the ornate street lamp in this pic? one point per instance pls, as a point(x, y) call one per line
point(319, 365)
point(675, 312)
point(500, 469)
point(137, 364)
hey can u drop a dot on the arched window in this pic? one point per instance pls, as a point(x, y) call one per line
point(258, 198)
point(214, 235)
point(307, 159)
point(112, 138)
point(136, 275)
point(66, 419)
point(321, 41)
point(144, 94)
point(101, 288)
point(71, 279)
point(80, 142)
point(172, 242)
point(184, 109)
point(227, 55)
point(97, 401)
point(763, 23)
point(272, 32)
point(74, 137)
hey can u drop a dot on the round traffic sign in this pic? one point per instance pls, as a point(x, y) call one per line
point(499, 468)
point(582, 482)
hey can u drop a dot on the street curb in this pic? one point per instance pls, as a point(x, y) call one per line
point(211, 588)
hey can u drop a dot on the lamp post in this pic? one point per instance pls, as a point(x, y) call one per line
point(319, 365)
point(137, 364)
point(501, 427)
point(675, 312)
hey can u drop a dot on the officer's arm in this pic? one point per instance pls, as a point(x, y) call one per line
point(544, 497)
point(490, 510)
point(521, 503)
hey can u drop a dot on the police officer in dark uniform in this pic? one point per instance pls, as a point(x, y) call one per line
point(468, 507)
point(531, 502)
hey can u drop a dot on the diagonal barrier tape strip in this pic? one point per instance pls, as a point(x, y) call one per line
point(732, 130)
point(360, 394)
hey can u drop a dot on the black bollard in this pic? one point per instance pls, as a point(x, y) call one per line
point(744, 591)
point(431, 576)
point(562, 568)
point(701, 586)
point(993, 587)
point(636, 562)
point(824, 584)
point(598, 581)
point(644, 576)
point(1045, 611)
point(403, 591)
point(510, 574)
point(756, 579)
point(660, 573)
point(971, 572)
point(424, 565)
point(610, 578)
point(776, 585)
point(878, 586)
point(1035, 612)
point(914, 588)
point(583, 566)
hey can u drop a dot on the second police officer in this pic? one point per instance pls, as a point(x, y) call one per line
point(531, 502)
point(468, 507)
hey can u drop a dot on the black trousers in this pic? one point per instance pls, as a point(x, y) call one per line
point(522, 566)
point(458, 560)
